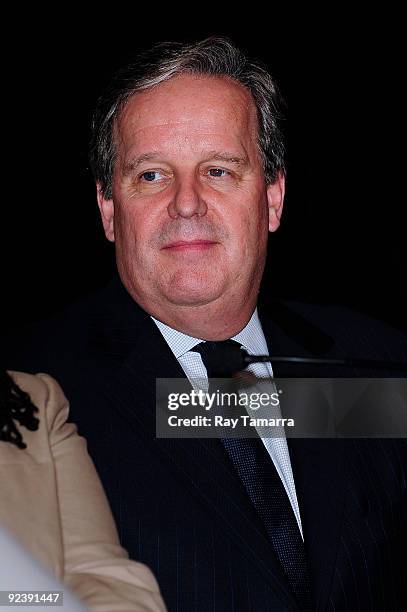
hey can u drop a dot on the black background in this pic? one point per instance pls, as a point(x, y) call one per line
point(342, 237)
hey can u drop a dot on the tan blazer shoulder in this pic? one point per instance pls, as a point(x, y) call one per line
point(53, 502)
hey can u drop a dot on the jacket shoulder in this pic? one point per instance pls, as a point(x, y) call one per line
point(331, 331)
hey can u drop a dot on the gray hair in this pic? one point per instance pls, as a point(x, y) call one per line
point(213, 56)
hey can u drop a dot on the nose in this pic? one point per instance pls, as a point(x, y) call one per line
point(187, 200)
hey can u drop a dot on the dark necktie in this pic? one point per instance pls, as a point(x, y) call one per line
point(258, 474)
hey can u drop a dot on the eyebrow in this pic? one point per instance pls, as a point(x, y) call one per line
point(227, 157)
point(222, 156)
point(132, 164)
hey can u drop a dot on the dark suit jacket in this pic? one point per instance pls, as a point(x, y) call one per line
point(179, 505)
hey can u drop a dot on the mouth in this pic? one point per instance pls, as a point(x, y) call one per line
point(189, 245)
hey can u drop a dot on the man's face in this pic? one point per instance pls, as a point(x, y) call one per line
point(190, 210)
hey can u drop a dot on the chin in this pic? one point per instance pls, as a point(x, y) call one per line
point(190, 293)
point(191, 299)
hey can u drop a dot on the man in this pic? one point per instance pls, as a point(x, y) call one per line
point(188, 158)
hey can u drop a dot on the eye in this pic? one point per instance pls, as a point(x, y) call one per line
point(151, 176)
point(217, 172)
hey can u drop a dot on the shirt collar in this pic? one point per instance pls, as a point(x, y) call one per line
point(251, 337)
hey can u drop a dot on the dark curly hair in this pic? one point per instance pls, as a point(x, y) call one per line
point(15, 405)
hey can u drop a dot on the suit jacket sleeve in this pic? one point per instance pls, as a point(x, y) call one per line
point(96, 567)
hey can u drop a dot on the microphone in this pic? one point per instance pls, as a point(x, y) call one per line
point(230, 358)
point(244, 359)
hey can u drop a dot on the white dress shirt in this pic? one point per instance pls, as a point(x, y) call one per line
point(252, 339)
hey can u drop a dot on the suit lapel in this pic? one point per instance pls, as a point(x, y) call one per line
point(320, 469)
point(319, 465)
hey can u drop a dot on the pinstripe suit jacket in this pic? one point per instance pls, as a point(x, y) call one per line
point(179, 505)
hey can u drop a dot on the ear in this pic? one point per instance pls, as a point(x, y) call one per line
point(106, 208)
point(275, 199)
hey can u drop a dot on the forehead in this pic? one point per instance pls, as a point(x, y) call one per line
point(190, 106)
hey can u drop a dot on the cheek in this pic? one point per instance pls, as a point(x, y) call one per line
point(131, 227)
point(123, 229)
point(250, 230)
